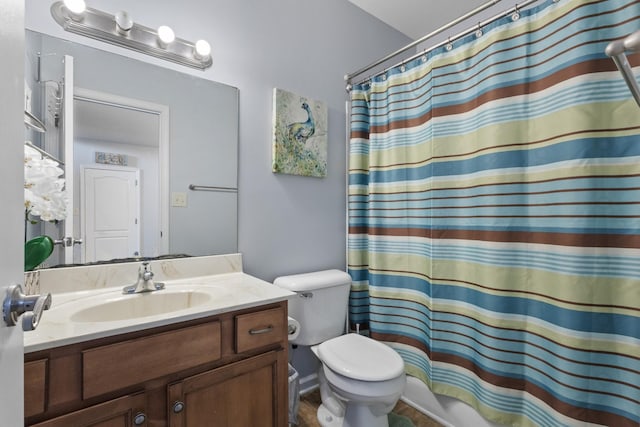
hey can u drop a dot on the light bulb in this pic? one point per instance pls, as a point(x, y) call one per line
point(76, 7)
point(123, 22)
point(203, 49)
point(166, 35)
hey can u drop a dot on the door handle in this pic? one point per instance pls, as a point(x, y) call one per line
point(67, 241)
point(16, 303)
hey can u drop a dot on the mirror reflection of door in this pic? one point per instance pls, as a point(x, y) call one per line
point(110, 210)
point(114, 135)
point(57, 111)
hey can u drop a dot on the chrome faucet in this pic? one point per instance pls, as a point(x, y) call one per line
point(145, 281)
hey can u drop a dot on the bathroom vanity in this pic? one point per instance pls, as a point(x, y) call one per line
point(221, 362)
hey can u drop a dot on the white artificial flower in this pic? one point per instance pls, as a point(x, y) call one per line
point(44, 192)
point(31, 154)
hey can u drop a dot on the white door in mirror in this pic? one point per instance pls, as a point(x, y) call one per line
point(111, 211)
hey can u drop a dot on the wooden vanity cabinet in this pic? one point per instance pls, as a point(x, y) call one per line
point(240, 394)
point(121, 412)
point(225, 370)
point(35, 375)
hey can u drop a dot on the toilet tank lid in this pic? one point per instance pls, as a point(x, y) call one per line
point(314, 280)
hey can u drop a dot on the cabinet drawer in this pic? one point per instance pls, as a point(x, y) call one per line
point(255, 330)
point(132, 362)
point(35, 380)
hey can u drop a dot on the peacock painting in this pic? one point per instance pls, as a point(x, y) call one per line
point(300, 135)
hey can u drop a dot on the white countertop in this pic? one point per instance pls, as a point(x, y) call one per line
point(213, 295)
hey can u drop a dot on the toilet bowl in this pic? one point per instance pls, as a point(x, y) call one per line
point(360, 379)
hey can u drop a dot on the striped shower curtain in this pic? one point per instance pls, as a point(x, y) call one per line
point(494, 217)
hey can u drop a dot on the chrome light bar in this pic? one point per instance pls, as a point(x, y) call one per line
point(121, 31)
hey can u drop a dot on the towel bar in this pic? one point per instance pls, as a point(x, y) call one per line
point(212, 188)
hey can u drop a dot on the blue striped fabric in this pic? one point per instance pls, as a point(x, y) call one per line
point(494, 217)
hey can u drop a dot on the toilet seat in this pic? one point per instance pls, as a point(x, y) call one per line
point(361, 358)
point(365, 391)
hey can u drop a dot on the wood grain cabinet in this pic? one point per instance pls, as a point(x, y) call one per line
point(122, 412)
point(240, 394)
point(225, 370)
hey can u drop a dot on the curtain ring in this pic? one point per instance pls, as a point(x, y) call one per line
point(449, 46)
point(479, 31)
point(516, 14)
point(403, 68)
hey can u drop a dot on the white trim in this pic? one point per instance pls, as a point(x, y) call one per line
point(68, 136)
point(162, 111)
point(309, 383)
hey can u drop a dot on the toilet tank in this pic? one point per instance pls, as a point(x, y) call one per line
point(320, 306)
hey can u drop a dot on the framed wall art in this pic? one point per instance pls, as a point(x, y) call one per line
point(299, 135)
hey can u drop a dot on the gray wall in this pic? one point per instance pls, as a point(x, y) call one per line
point(287, 224)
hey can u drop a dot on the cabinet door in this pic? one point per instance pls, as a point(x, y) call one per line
point(125, 411)
point(35, 387)
point(251, 392)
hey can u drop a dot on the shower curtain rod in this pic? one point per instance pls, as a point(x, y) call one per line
point(617, 51)
point(349, 77)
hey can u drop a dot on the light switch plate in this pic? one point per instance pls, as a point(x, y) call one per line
point(179, 200)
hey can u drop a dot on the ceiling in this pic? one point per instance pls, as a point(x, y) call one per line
point(415, 18)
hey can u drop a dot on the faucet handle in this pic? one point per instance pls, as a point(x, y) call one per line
point(145, 272)
point(145, 281)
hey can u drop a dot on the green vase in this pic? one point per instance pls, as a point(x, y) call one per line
point(36, 251)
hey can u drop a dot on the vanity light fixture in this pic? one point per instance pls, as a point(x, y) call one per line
point(120, 30)
point(124, 23)
point(202, 50)
point(76, 8)
point(166, 36)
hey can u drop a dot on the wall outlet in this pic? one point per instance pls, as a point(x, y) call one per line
point(179, 200)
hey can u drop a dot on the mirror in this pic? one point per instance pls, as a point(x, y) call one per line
point(174, 130)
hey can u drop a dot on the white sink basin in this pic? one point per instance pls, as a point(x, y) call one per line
point(134, 306)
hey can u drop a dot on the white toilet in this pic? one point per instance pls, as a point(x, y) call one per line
point(360, 379)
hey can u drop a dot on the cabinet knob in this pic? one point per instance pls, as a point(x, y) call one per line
point(139, 419)
point(178, 407)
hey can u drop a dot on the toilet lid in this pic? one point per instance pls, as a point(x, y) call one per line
point(361, 358)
